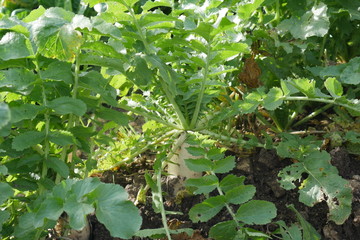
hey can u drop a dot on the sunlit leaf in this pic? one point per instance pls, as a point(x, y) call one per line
point(11, 41)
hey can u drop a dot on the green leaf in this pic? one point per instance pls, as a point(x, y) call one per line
point(309, 231)
point(106, 28)
point(25, 229)
point(334, 87)
point(68, 105)
point(256, 212)
point(113, 115)
point(273, 99)
point(77, 212)
point(313, 23)
point(199, 164)
point(353, 137)
point(205, 30)
point(289, 233)
point(5, 115)
point(224, 165)
point(224, 231)
point(114, 210)
point(207, 209)
point(196, 151)
point(246, 10)
point(25, 111)
point(50, 208)
point(17, 80)
point(154, 232)
point(4, 216)
point(240, 194)
point(157, 3)
point(322, 184)
point(230, 182)
point(11, 41)
point(27, 139)
point(54, 35)
point(204, 184)
point(59, 166)
point(62, 138)
point(141, 74)
point(215, 154)
point(58, 71)
point(6, 192)
point(351, 73)
point(3, 170)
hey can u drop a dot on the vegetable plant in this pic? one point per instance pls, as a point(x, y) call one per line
point(75, 79)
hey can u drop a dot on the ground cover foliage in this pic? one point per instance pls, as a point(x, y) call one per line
point(94, 85)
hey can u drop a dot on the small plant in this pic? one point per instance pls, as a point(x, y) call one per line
point(231, 192)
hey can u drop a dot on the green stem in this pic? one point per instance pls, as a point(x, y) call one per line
point(313, 114)
point(321, 100)
point(199, 101)
point(228, 206)
point(267, 124)
point(164, 73)
point(277, 12)
point(47, 123)
point(71, 120)
point(162, 209)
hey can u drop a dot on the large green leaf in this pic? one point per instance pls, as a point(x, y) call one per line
point(55, 36)
point(273, 99)
point(59, 166)
point(77, 212)
point(5, 115)
point(50, 208)
point(6, 192)
point(207, 209)
point(24, 111)
point(68, 105)
point(322, 184)
point(11, 41)
point(313, 23)
point(351, 73)
point(256, 212)
point(17, 80)
point(62, 137)
point(115, 211)
point(58, 71)
point(27, 139)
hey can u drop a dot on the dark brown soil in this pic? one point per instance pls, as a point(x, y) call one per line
point(261, 169)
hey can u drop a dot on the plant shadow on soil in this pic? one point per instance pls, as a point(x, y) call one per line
point(260, 169)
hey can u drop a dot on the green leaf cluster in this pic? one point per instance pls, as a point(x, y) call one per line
point(78, 198)
point(232, 191)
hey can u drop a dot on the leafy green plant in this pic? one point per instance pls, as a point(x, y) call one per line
point(172, 63)
point(231, 191)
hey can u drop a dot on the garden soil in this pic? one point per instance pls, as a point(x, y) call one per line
point(260, 168)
